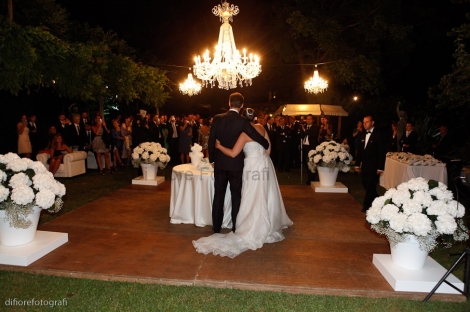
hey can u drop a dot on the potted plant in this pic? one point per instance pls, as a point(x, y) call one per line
point(150, 156)
point(26, 187)
point(418, 214)
point(328, 158)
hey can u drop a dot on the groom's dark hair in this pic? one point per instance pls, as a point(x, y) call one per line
point(236, 100)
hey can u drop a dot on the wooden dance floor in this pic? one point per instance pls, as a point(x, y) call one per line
point(127, 236)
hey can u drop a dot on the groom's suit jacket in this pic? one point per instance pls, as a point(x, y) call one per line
point(372, 157)
point(227, 128)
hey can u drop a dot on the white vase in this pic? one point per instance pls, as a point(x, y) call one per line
point(195, 160)
point(149, 171)
point(11, 236)
point(327, 176)
point(407, 255)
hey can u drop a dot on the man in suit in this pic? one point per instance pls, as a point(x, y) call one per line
point(75, 135)
point(283, 144)
point(443, 145)
point(156, 129)
point(271, 129)
point(409, 139)
point(227, 128)
point(173, 139)
point(84, 119)
point(309, 142)
point(62, 124)
point(371, 155)
point(33, 135)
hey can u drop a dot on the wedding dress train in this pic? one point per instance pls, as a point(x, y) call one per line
point(262, 214)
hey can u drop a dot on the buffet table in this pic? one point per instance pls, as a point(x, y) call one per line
point(192, 191)
point(397, 172)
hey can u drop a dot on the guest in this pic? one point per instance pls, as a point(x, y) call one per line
point(443, 145)
point(126, 133)
point(203, 140)
point(283, 145)
point(346, 146)
point(57, 151)
point(356, 136)
point(185, 137)
point(84, 119)
point(76, 135)
point(101, 143)
point(309, 142)
point(392, 144)
point(118, 141)
point(46, 141)
point(173, 138)
point(272, 133)
point(370, 160)
point(24, 143)
point(409, 139)
point(33, 135)
point(326, 130)
point(62, 124)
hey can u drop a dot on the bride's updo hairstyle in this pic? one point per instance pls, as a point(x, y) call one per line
point(249, 113)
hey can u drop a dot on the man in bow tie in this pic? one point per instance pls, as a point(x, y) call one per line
point(371, 159)
point(309, 142)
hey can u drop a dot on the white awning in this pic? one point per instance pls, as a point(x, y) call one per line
point(333, 110)
point(314, 109)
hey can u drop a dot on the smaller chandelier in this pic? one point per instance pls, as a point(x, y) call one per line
point(316, 84)
point(190, 86)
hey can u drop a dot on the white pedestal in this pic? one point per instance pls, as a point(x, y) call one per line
point(140, 181)
point(337, 188)
point(24, 255)
point(423, 280)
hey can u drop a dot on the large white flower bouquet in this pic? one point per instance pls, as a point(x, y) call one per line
point(329, 154)
point(425, 209)
point(150, 153)
point(24, 184)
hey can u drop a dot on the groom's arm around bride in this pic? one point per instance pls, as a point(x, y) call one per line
point(226, 128)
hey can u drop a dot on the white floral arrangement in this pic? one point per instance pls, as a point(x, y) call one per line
point(196, 150)
point(204, 165)
point(415, 160)
point(329, 154)
point(25, 184)
point(422, 208)
point(150, 153)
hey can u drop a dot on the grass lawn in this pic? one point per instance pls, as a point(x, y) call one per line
point(95, 295)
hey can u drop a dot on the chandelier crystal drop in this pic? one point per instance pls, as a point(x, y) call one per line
point(228, 67)
point(190, 86)
point(316, 84)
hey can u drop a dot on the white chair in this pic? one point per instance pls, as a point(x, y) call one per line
point(73, 164)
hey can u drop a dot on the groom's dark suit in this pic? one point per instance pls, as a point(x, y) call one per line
point(227, 128)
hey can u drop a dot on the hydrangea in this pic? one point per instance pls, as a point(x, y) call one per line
point(18, 165)
point(7, 158)
point(45, 199)
point(4, 193)
point(417, 207)
point(3, 176)
point(19, 179)
point(150, 153)
point(331, 155)
point(22, 195)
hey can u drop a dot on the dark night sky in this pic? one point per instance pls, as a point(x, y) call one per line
point(176, 31)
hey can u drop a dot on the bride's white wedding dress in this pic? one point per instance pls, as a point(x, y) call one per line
point(262, 214)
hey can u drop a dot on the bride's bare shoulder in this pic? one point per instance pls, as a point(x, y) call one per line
point(260, 129)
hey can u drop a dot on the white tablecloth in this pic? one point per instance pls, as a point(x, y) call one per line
point(396, 173)
point(192, 191)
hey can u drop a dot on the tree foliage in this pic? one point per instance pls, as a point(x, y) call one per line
point(348, 35)
point(76, 61)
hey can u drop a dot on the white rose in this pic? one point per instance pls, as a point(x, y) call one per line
point(423, 198)
point(153, 157)
point(5, 159)
point(38, 167)
point(311, 153)
point(409, 207)
point(18, 165)
point(163, 151)
point(373, 215)
point(145, 155)
point(437, 208)
point(398, 223)
point(388, 212)
point(138, 150)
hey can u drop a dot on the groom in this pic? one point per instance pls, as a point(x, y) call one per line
point(227, 128)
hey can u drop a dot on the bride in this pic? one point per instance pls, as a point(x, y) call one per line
point(262, 214)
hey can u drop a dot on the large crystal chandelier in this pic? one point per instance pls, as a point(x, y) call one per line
point(315, 84)
point(228, 66)
point(190, 86)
